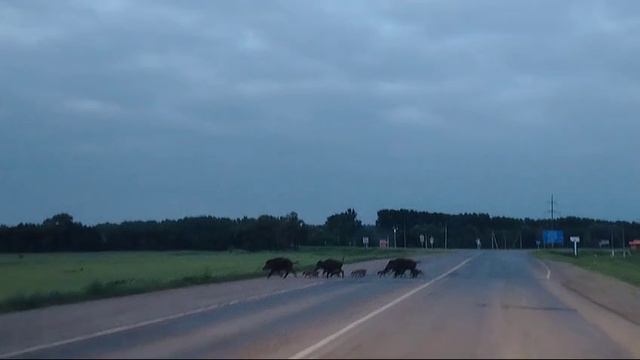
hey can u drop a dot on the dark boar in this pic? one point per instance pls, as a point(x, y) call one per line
point(310, 274)
point(330, 267)
point(359, 273)
point(279, 265)
point(400, 266)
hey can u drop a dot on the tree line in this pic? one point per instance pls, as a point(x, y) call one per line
point(62, 233)
point(462, 230)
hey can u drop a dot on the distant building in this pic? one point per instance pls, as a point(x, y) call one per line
point(634, 245)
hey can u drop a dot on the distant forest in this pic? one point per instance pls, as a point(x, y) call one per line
point(62, 233)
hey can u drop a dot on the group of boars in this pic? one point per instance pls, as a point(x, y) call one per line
point(330, 267)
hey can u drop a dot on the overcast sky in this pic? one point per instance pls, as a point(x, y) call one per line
point(114, 110)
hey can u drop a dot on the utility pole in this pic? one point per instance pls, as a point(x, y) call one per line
point(553, 225)
point(553, 211)
point(553, 215)
point(405, 232)
point(520, 235)
point(445, 236)
point(613, 251)
point(624, 253)
point(395, 229)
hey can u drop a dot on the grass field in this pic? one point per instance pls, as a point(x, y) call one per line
point(626, 269)
point(37, 280)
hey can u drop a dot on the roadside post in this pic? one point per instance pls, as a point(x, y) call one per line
point(575, 240)
point(478, 244)
point(445, 236)
point(431, 241)
point(365, 241)
point(422, 242)
point(538, 243)
point(395, 244)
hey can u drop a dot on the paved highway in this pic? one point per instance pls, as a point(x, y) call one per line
point(469, 304)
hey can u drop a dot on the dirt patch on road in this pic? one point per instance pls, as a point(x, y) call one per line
point(612, 294)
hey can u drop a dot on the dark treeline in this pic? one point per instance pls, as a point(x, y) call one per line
point(463, 229)
point(62, 233)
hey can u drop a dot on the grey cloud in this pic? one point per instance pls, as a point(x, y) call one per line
point(150, 109)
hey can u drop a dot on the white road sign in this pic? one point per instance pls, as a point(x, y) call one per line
point(575, 240)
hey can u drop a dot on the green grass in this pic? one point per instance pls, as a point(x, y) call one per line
point(626, 269)
point(37, 280)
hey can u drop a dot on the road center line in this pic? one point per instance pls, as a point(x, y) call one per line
point(311, 349)
point(546, 267)
point(149, 322)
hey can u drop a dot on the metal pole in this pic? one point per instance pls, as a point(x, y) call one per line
point(394, 237)
point(520, 239)
point(552, 210)
point(613, 251)
point(624, 253)
point(404, 230)
point(552, 216)
point(445, 236)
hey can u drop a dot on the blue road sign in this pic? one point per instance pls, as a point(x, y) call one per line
point(553, 237)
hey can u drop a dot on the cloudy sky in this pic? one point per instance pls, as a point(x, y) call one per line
point(114, 110)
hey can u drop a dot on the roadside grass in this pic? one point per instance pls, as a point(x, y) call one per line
point(626, 269)
point(37, 280)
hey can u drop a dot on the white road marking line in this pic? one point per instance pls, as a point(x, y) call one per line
point(546, 267)
point(149, 322)
point(311, 349)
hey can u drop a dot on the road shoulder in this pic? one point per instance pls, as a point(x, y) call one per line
point(610, 293)
point(606, 302)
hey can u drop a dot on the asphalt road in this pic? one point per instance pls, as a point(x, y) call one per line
point(469, 304)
